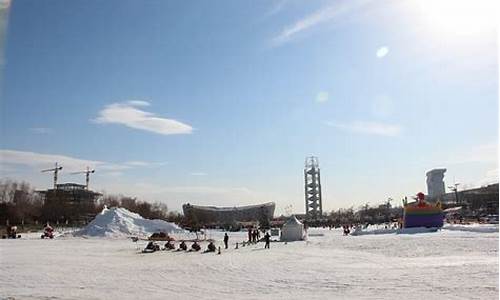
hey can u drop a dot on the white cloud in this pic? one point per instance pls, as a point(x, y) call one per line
point(322, 97)
point(138, 103)
point(70, 164)
point(41, 130)
point(38, 160)
point(382, 52)
point(276, 7)
point(368, 128)
point(321, 16)
point(140, 163)
point(198, 173)
point(129, 115)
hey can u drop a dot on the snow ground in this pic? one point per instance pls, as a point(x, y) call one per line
point(448, 264)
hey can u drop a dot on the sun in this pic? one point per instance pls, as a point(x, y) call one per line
point(459, 17)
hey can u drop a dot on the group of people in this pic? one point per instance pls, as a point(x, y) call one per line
point(347, 229)
point(195, 247)
point(253, 237)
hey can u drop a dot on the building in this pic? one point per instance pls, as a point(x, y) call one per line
point(69, 202)
point(221, 216)
point(435, 183)
point(482, 200)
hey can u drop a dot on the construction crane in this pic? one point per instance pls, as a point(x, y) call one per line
point(55, 170)
point(87, 176)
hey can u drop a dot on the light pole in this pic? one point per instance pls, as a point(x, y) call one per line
point(454, 188)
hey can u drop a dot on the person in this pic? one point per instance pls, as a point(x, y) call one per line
point(195, 246)
point(151, 247)
point(226, 240)
point(249, 234)
point(12, 232)
point(182, 246)
point(254, 236)
point(210, 247)
point(267, 240)
point(169, 246)
point(48, 231)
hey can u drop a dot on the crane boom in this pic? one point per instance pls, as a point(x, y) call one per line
point(55, 170)
point(87, 176)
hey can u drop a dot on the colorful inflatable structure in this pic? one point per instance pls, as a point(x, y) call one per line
point(422, 213)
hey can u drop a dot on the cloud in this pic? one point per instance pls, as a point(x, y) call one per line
point(198, 173)
point(138, 103)
point(322, 97)
point(129, 115)
point(38, 160)
point(43, 161)
point(321, 16)
point(365, 127)
point(275, 8)
point(139, 163)
point(382, 52)
point(42, 130)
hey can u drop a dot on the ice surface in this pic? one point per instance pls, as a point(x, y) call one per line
point(445, 264)
point(117, 222)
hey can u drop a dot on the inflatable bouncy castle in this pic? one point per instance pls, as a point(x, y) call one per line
point(422, 213)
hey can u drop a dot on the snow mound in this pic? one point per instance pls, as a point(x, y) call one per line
point(375, 230)
point(119, 222)
point(481, 228)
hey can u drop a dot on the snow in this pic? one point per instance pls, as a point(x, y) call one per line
point(117, 222)
point(473, 227)
point(447, 264)
point(485, 228)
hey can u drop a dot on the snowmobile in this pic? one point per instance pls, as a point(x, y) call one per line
point(48, 232)
point(151, 247)
point(11, 233)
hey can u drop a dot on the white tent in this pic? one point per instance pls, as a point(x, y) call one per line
point(292, 230)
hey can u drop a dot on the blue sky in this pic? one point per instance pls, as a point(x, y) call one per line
point(191, 101)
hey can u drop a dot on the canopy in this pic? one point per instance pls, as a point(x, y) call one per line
point(292, 230)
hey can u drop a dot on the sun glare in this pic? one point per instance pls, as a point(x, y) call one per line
point(459, 17)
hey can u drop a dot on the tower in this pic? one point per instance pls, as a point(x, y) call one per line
point(435, 183)
point(312, 189)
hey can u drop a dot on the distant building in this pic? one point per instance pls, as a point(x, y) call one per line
point(69, 202)
point(312, 189)
point(435, 183)
point(482, 200)
point(211, 215)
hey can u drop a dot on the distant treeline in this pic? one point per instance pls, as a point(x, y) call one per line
point(365, 214)
point(20, 204)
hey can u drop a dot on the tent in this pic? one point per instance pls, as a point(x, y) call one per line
point(292, 230)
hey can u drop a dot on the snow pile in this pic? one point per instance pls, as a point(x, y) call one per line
point(482, 228)
point(371, 230)
point(119, 222)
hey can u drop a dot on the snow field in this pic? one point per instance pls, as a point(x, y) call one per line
point(440, 265)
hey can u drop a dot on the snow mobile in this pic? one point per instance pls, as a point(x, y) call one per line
point(11, 233)
point(151, 247)
point(48, 232)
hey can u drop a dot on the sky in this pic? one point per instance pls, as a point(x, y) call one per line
point(220, 103)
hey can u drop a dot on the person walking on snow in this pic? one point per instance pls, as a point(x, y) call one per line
point(226, 240)
point(267, 240)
